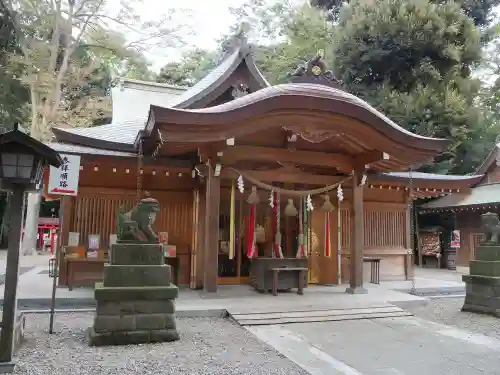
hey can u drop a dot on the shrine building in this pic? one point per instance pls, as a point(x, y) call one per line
point(298, 172)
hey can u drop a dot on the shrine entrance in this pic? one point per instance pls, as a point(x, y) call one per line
point(233, 266)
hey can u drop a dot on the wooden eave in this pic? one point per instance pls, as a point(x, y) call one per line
point(77, 139)
point(301, 109)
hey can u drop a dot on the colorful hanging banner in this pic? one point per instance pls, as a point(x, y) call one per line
point(328, 240)
point(231, 223)
point(251, 243)
point(301, 252)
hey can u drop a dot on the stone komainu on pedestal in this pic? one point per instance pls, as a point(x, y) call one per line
point(135, 301)
point(483, 283)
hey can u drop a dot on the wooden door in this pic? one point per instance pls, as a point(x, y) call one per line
point(323, 269)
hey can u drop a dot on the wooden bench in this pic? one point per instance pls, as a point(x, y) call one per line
point(301, 277)
point(375, 269)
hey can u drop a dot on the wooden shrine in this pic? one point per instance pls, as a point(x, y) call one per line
point(244, 170)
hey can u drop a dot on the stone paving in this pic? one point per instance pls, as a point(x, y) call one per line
point(402, 346)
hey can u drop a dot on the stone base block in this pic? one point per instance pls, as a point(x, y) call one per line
point(124, 276)
point(19, 325)
point(133, 322)
point(488, 253)
point(481, 310)
point(356, 290)
point(485, 268)
point(131, 337)
point(136, 254)
point(135, 307)
point(481, 280)
point(145, 293)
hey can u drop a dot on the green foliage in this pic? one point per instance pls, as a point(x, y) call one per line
point(13, 94)
point(412, 60)
point(479, 11)
point(193, 66)
point(405, 43)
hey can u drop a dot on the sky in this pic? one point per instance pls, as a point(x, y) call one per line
point(209, 19)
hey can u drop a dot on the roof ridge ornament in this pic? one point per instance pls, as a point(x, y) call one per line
point(239, 40)
point(315, 71)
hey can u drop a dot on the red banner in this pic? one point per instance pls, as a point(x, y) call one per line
point(328, 240)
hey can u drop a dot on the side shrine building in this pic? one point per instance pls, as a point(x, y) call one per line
point(244, 170)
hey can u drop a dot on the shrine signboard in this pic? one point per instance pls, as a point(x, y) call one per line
point(64, 180)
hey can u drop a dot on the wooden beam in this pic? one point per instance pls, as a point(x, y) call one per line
point(211, 251)
point(279, 176)
point(342, 162)
point(368, 158)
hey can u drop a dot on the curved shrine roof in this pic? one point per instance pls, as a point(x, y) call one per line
point(269, 106)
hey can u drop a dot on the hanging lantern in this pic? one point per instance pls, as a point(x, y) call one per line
point(253, 198)
point(340, 193)
point(290, 209)
point(241, 186)
point(309, 204)
point(271, 199)
point(327, 206)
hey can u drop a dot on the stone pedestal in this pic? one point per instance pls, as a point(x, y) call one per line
point(483, 283)
point(135, 301)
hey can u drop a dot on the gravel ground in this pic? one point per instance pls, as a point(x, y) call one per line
point(447, 311)
point(207, 347)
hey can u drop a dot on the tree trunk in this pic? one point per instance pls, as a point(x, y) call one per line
point(31, 223)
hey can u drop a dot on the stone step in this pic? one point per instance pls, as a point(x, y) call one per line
point(123, 276)
point(137, 254)
point(318, 315)
point(484, 268)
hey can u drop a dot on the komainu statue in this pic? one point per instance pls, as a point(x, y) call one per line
point(490, 225)
point(136, 225)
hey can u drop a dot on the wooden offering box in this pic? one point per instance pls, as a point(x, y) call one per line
point(81, 270)
point(261, 275)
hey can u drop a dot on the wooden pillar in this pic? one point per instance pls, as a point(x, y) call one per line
point(200, 243)
point(357, 238)
point(408, 261)
point(212, 202)
point(11, 275)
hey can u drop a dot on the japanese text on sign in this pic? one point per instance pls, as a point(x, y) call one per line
point(64, 180)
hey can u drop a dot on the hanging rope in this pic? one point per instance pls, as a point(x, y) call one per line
point(296, 193)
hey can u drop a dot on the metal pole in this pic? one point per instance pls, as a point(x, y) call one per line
point(56, 265)
point(11, 274)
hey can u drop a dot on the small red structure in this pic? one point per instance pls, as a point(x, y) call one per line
point(47, 226)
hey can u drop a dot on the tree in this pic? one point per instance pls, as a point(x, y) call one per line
point(57, 40)
point(51, 36)
point(412, 59)
point(480, 11)
point(13, 94)
point(286, 34)
point(193, 66)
